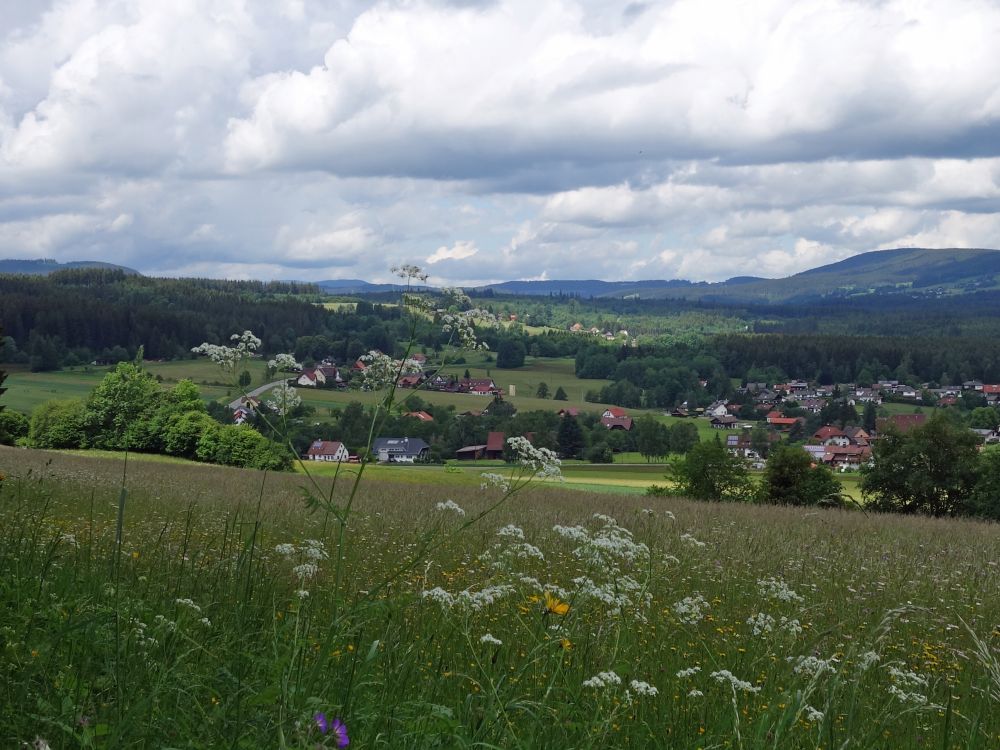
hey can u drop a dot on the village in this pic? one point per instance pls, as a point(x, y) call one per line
point(835, 424)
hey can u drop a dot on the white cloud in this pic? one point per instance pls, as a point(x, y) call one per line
point(697, 138)
point(461, 250)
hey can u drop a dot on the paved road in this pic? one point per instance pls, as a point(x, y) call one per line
point(255, 392)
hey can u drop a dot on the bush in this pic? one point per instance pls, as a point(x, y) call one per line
point(13, 426)
point(57, 424)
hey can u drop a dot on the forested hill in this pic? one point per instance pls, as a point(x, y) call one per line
point(47, 266)
point(90, 312)
point(905, 271)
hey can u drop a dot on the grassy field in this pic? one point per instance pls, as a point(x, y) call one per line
point(230, 615)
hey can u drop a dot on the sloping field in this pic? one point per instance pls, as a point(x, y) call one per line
point(446, 615)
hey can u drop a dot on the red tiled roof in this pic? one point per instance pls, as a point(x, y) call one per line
point(323, 448)
point(494, 441)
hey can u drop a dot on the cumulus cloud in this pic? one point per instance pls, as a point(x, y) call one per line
point(696, 138)
point(459, 251)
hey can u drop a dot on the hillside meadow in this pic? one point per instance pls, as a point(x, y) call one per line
point(230, 615)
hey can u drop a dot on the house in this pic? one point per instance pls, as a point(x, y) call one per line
point(972, 385)
point(311, 378)
point(421, 415)
point(857, 436)
point(403, 450)
point(780, 422)
point(988, 436)
point(327, 450)
point(767, 398)
point(617, 423)
point(478, 386)
point(718, 409)
point(829, 435)
point(845, 457)
point(741, 445)
point(248, 406)
point(679, 412)
point(614, 412)
point(900, 422)
point(410, 381)
point(571, 411)
point(494, 445)
point(331, 375)
point(724, 423)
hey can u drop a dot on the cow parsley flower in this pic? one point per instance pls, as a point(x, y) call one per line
point(725, 676)
point(691, 609)
point(775, 588)
point(643, 688)
point(490, 640)
point(451, 505)
point(761, 623)
point(689, 672)
point(283, 399)
point(603, 680)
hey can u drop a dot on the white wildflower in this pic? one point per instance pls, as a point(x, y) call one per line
point(286, 550)
point(606, 520)
point(761, 623)
point(670, 515)
point(643, 688)
point(905, 678)
point(490, 640)
point(284, 363)
point(868, 660)
point(695, 693)
point(603, 680)
point(813, 715)
point(302, 594)
point(312, 549)
point(812, 666)
point(451, 505)
point(689, 538)
point(542, 461)
point(725, 676)
point(791, 626)
point(439, 595)
point(283, 399)
point(306, 570)
point(229, 358)
point(189, 603)
point(573, 533)
point(491, 479)
point(775, 588)
point(689, 672)
point(206, 622)
point(907, 696)
point(691, 609)
point(511, 531)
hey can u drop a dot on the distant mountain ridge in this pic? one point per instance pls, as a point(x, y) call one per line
point(912, 271)
point(47, 265)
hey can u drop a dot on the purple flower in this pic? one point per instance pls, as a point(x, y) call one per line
point(339, 732)
point(321, 722)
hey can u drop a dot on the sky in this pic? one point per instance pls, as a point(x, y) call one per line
point(487, 140)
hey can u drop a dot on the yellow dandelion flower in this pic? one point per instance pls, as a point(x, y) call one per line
point(553, 605)
point(566, 644)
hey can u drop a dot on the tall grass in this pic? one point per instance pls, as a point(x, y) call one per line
point(895, 643)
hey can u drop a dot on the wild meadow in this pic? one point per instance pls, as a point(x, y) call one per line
point(183, 606)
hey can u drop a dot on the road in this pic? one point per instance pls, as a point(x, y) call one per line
point(255, 392)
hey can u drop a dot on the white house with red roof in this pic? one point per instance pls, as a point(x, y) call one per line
point(327, 450)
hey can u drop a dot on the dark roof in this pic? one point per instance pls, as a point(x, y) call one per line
point(404, 446)
point(495, 441)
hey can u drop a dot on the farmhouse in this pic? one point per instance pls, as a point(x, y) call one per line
point(421, 415)
point(327, 450)
point(402, 450)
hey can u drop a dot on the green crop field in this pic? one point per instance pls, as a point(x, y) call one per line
point(435, 613)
